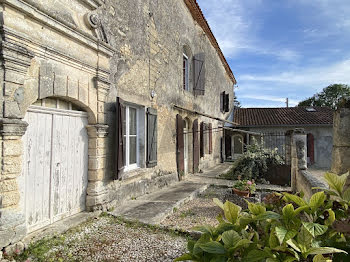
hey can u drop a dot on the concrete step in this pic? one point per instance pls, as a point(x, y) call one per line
point(154, 207)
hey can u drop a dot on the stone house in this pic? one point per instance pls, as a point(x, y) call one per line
point(103, 101)
point(273, 123)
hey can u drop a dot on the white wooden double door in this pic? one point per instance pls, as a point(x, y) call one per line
point(55, 165)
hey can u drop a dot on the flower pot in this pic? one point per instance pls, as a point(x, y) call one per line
point(240, 192)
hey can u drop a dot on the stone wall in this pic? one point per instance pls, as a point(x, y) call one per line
point(341, 140)
point(89, 52)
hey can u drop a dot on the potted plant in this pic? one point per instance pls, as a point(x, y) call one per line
point(244, 188)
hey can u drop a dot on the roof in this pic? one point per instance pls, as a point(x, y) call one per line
point(291, 116)
point(198, 16)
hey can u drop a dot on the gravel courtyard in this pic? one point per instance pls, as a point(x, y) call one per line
point(108, 239)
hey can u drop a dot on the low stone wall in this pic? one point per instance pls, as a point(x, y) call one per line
point(306, 183)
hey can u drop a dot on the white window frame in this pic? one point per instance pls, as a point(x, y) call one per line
point(187, 72)
point(129, 166)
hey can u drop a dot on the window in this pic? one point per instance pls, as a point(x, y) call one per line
point(224, 102)
point(185, 73)
point(136, 138)
point(130, 139)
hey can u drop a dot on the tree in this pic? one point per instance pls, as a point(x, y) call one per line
point(330, 96)
point(236, 103)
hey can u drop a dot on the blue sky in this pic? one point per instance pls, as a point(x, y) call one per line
point(282, 48)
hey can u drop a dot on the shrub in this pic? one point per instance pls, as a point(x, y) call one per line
point(254, 163)
point(286, 228)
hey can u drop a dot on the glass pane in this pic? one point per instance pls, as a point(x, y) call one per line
point(124, 150)
point(132, 121)
point(132, 150)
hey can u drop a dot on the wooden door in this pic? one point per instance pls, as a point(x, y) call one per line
point(55, 166)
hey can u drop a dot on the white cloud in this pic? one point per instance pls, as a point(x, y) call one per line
point(324, 75)
point(236, 28)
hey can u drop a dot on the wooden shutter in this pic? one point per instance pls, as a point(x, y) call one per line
point(152, 136)
point(210, 138)
point(180, 144)
point(222, 101)
point(227, 102)
point(201, 140)
point(310, 148)
point(199, 74)
point(195, 146)
point(120, 147)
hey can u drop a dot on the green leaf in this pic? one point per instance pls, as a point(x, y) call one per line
point(324, 250)
point(255, 255)
point(218, 203)
point(218, 259)
point(336, 182)
point(297, 200)
point(268, 215)
point(231, 211)
point(213, 248)
point(304, 237)
point(321, 258)
point(241, 243)
point(284, 235)
point(190, 245)
point(273, 240)
point(288, 212)
point(290, 259)
point(317, 200)
point(315, 229)
point(230, 238)
point(184, 257)
point(272, 259)
point(331, 217)
point(205, 229)
point(300, 209)
point(256, 209)
point(346, 195)
point(293, 244)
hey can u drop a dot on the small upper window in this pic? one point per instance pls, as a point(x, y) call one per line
point(185, 73)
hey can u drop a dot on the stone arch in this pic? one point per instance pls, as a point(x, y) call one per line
point(238, 144)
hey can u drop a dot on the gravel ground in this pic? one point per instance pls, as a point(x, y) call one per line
point(202, 210)
point(108, 239)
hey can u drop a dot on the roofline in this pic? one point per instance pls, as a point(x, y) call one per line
point(198, 16)
point(277, 125)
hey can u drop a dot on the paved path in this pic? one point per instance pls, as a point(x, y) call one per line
point(153, 208)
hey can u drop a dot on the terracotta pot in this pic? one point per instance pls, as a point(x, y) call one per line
point(240, 193)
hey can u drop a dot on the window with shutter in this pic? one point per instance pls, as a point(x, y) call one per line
point(120, 132)
point(222, 100)
point(195, 146)
point(152, 136)
point(210, 138)
point(227, 103)
point(201, 139)
point(199, 74)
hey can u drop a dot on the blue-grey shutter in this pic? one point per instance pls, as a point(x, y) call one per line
point(199, 74)
point(152, 137)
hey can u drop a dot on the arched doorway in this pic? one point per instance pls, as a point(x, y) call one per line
point(55, 162)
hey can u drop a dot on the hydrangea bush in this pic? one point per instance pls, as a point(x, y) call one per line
point(254, 163)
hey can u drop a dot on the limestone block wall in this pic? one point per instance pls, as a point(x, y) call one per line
point(341, 140)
